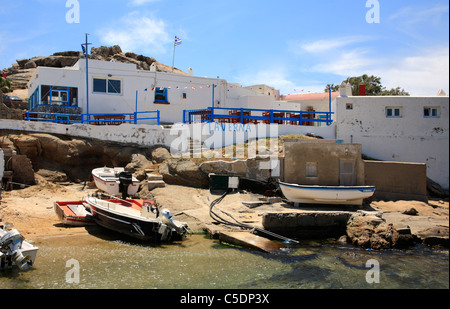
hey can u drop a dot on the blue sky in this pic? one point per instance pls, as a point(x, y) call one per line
point(291, 45)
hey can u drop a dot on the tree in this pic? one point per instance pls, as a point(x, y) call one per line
point(373, 86)
point(5, 87)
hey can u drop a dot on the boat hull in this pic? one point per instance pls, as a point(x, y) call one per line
point(68, 214)
point(341, 195)
point(106, 179)
point(130, 225)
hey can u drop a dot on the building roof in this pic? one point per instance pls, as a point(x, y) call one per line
point(310, 96)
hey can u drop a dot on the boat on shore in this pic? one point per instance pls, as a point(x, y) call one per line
point(74, 213)
point(15, 251)
point(139, 219)
point(314, 194)
point(115, 181)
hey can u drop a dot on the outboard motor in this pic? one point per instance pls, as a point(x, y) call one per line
point(10, 244)
point(125, 180)
point(167, 219)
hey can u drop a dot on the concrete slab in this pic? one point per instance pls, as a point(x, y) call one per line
point(249, 240)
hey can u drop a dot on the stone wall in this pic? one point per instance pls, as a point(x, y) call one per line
point(397, 180)
point(10, 113)
point(326, 156)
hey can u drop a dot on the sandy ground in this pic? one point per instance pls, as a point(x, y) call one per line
point(30, 210)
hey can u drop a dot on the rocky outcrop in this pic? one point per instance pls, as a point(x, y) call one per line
point(183, 172)
point(253, 168)
point(75, 158)
point(370, 230)
point(21, 72)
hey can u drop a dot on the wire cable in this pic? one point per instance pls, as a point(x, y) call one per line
point(221, 220)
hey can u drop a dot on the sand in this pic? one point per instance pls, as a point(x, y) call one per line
point(30, 210)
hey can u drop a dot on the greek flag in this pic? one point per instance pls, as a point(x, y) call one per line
point(177, 41)
point(84, 49)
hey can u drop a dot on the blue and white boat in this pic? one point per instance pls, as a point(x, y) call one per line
point(314, 194)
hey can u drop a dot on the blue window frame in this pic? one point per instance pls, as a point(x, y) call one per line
point(431, 112)
point(57, 96)
point(111, 86)
point(393, 112)
point(161, 95)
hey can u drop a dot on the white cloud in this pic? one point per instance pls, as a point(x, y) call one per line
point(137, 32)
point(347, 63)
point(422, 74)
point(322, 46)
point(140, 2)
point(277, 77)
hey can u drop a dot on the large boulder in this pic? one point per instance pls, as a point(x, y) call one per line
point(370, 230)
point(183, 172)
point(160, 155)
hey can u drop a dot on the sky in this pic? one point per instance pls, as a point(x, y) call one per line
point(292, 45)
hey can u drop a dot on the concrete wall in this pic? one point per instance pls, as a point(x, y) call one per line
point(397, 180)
point(409, 138)
point(326, 156)
point(125, 133)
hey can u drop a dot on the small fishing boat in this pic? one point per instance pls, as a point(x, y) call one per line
point(313, 194)
point(15, 251)
point(74, 213)
point(115, 181)
point(137, 218)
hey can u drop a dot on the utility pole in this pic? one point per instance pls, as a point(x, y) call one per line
point(86, 52)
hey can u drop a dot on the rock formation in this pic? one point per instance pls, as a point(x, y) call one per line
point(21, 72)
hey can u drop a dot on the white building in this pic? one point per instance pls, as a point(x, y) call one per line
point(122, 88)
point(398, 128)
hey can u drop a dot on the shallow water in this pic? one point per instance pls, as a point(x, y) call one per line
point(201, 263)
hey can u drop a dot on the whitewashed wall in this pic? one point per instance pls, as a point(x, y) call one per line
point(125, 133)
point(411, 138)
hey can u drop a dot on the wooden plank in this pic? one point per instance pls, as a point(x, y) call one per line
point(249, 240)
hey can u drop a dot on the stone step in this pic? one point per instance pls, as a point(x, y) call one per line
point(152, 177)
point(152, 184)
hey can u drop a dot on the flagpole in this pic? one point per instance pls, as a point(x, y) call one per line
point(173, 59)
point(87, 76)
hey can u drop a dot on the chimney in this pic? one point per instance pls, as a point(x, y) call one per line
point(362, 90)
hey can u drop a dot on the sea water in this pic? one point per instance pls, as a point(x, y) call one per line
point(104, 262)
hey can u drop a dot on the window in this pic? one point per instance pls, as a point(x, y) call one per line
point(161, 95)
point(431, 112)
point(349, 106)
point(311, 169)
point(57, 95)
point(393, 112)
point(113, 86)
point(99, 85)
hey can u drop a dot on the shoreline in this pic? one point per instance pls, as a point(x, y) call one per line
point(30, 210)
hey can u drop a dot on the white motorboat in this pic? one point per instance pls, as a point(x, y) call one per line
point(137, 218)
point(313, 194)
point(15, 251)
point(115, 181)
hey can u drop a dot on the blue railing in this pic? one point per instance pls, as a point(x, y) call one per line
point(255, 116)
point(95, 119)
